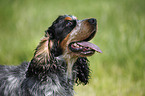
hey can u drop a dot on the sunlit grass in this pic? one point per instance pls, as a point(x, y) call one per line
point(118, 71)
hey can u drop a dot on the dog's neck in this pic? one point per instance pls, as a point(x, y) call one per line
point(70, 60)
point(44, 61)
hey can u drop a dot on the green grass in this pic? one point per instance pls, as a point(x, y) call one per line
point(119, 71)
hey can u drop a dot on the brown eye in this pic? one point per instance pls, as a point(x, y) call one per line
point(69, 23)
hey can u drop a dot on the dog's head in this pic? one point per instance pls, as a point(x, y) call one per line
point(66, 39)
point(72, 35)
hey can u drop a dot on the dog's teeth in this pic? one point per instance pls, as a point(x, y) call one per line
point(75, 44)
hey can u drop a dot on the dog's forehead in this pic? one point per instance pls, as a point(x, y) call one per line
point(62, 18)
point(70, 17)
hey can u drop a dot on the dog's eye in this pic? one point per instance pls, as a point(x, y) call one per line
point(69, 23)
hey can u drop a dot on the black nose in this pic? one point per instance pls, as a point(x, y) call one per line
point(92, 21)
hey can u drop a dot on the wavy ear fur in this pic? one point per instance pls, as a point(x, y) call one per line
point(42, 60)
point(83, 76)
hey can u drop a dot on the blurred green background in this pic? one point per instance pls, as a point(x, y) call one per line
point(118, 71)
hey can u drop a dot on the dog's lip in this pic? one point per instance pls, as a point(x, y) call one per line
point(79, 49)
point(84, 47)
point(90, 45)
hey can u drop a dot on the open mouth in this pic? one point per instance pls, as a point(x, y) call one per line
point(84, 47)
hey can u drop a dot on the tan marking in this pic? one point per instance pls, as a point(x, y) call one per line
point(68, 18)
point(64, 42)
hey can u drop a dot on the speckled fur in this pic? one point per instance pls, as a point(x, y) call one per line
point(47, 74)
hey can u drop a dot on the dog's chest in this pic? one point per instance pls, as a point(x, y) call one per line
point(58, 87)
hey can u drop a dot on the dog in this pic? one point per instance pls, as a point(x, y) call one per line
point(60, 61)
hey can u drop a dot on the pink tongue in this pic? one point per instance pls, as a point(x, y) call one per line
point(90, 45)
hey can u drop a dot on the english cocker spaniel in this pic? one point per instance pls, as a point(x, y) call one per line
point(58, 62)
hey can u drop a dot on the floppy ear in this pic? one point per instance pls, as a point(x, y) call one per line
point(82, 64)
point(42, 58)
